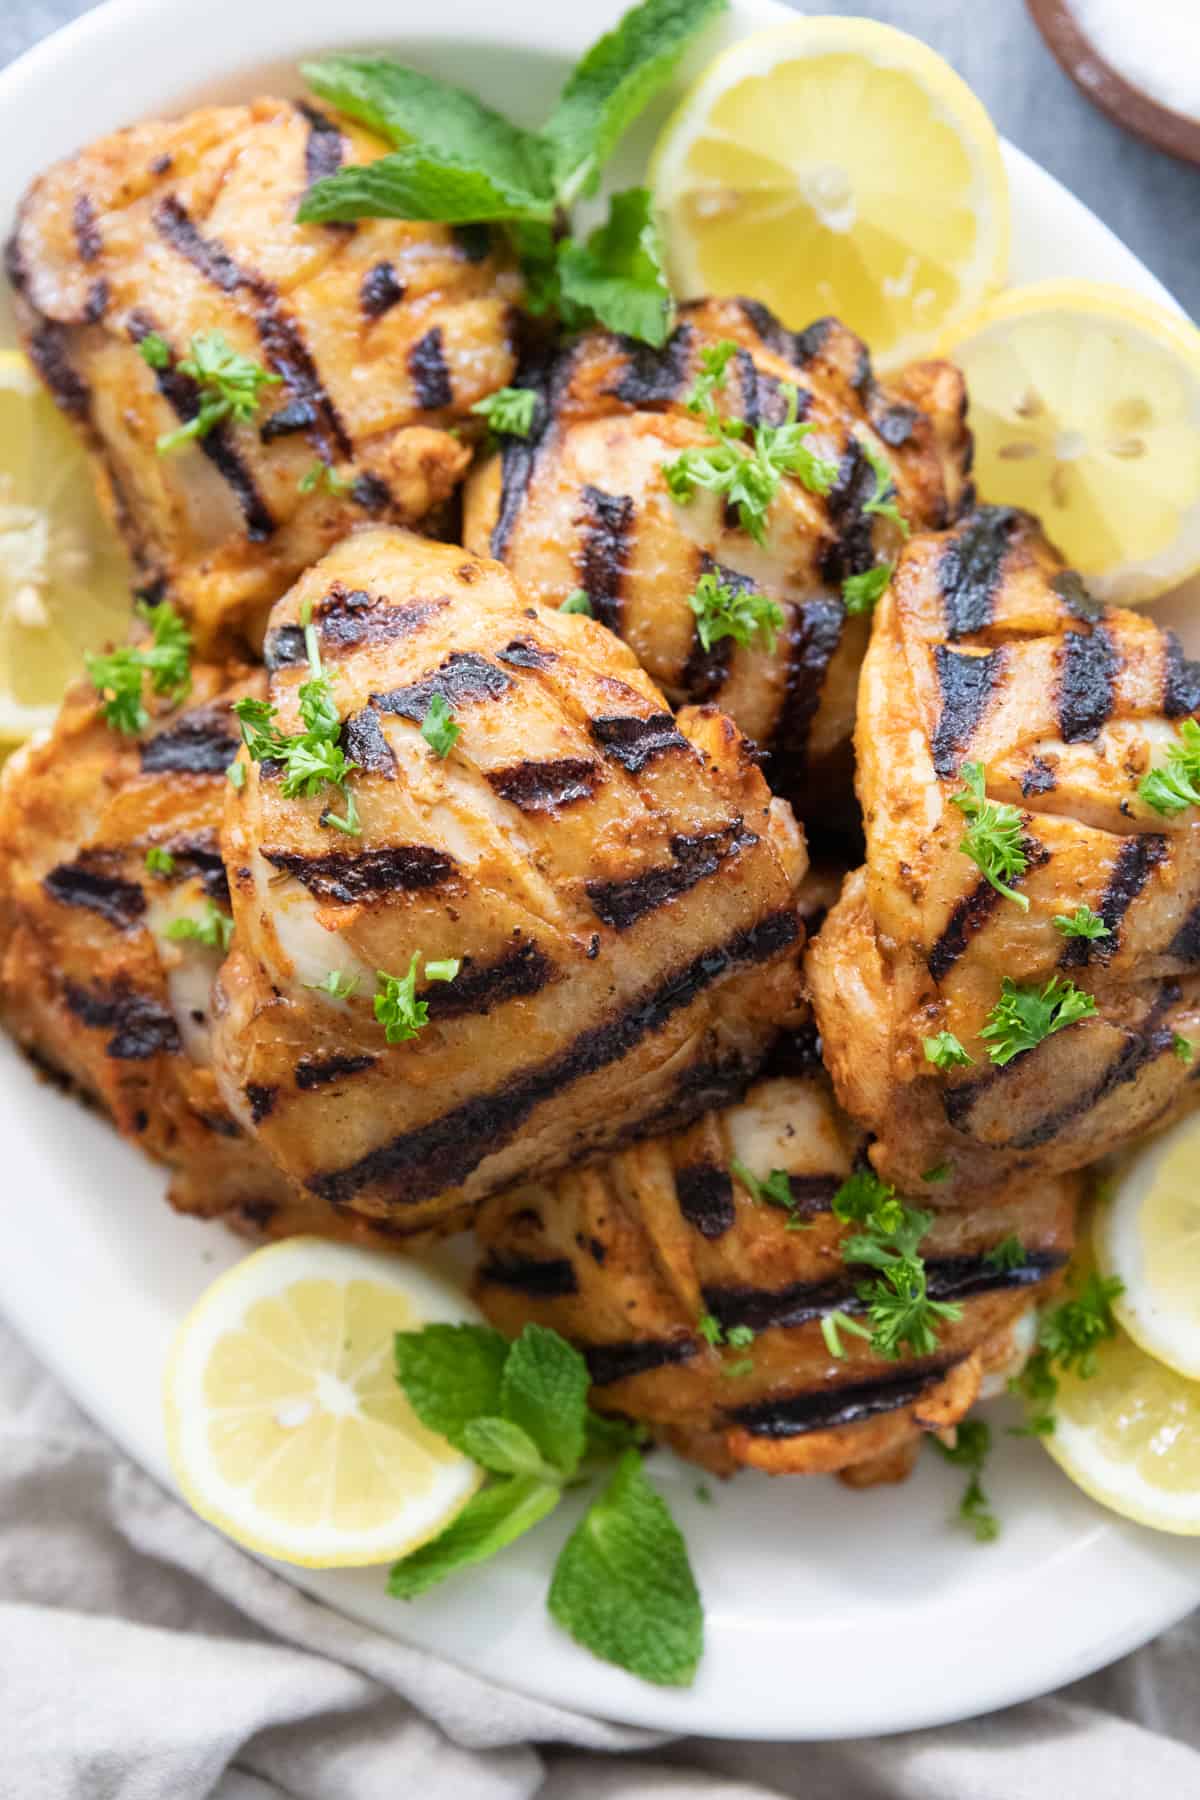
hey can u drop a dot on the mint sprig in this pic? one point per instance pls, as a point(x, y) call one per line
point(622, 1586)
point(456, 160)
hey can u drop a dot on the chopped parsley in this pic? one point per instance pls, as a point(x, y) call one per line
point(578, 602)
point(313, 758)
point(1082, 923)
point(883, 502)
point(709, 1328)
point(940, 1172)
point(723, 610)
point(945, 1052)
point(1068, 1338)
point(775, 1190)
point(1026, 1014)
point(743, 1366)
point(833, 1324)
point(746, 476)
point(235, 774)
point(215, 928)
point(1183, 1047)
point(227, 385)
point(159, 861)
point(1175, 786)
point(897, 1303)
point(973, 1441)
point(323, 474)
point(993, 839)
point(438, 728)
point(397, 1008)
point(155, 350)
point(861, 592)
point(1007, 1255)
point(337, 985)
point(509, 411)
point(118, 675)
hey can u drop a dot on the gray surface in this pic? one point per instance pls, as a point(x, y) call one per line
point(1151, 201)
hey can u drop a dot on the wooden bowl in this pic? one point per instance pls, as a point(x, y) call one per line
point(1107, 88)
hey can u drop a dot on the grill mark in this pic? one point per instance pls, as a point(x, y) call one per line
point(381, 289)
point(808, 344)
point(606, 520)
point(49, 354)
point(260, 1099)
point(542, 1278)
point(544, 787)
point(1088, 667)
point(442, 1154)
point(972, 912)
point(348, 618)
point(1135, 862)
point(633, 742)
point(801, 1302)
point(1181, 680)
point(706, 671)
point(1069, 586)
point(200, 743)
point(315, 1072)
point(849, 1403)
point(364, 743)
point(201, 856)
point(175, 225)
point(478, 987)
point(1039, 778)
point(767, 328)
point(372, 493)
point(296, 415)
point(122, 903)
point(522, 654)
point(475, 241)
point(87, 233)
point(324, 150)
point(1185, 945)
point(747, 377)
point(429, 371)
point(971, 568)
point(705, 1196)
point(349, 879)
point(812, 642)
point(701, 1087)
point(284, 648)
point(966, 684)
point(288, 354)
point(609, 1363)
point(796, 1053)
point(462, 679)
point(894, 422)
point(620, 904)
point(96, 304)
point(651, 378)
point(550, 380)
point(141, 1027)
point(852, 549)
point(813, 1195)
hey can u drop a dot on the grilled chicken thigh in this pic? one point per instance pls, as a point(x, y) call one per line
point(987, 652)
point(583, 502)
point(616, 885)
point(381, 336)
point(627, 1257)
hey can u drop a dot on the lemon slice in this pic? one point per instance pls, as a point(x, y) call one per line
point(1130, 1437)
point(1147, 1231)
point(286, 1426)
point(64, 577)
point(1085, 405)
point(836, 166)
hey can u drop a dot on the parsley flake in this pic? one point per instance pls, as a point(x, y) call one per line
point(578, 602)
point(313, 758)
point(1025, 1015)
point(940, 1172)
point(860, 593)
point(973, 1442)
point(227, 386)
point(993, 839)
point(509, 411)
point(1183, 1047)
point(1082, 923)
point(743, 1366)
point(883, 503)
point(897, 1301)
point(1007, 1255)
point(215, 928)
point(159, 861)
point(1068, 1338)
point(438, 728)
point(833, 1324)
point(155, 350)
point(775, 1190)
point(1175, 786)
point(235, 774)
point(709, 1328)
point(945, 1052)
point(723, 610)
point(323, 474)
point(337, 985)
point(397, 1008)
point(118, 675)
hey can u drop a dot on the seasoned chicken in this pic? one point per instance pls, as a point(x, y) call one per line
point(583, 502)
point(990, 662)
point(627, 1257)
point(379, 336)
point(615, 886)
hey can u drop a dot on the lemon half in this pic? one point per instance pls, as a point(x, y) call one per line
point(286, 1426)
point(836, 166)
point(64, 577)
point(1085, 407)
point(1147, 1231)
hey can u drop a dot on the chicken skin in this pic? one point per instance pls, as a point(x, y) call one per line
point(584, 502)
point(628, 1257)
point(990, 663)
point(613, 889)
point(378, 338)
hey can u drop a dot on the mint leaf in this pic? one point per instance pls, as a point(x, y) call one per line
point(499, 1445)
point(451, 1374)
point(544, 1391)
point(420, 183)
point(618, 275)
point(623, 1586)
point(607, 1437)
point(488, 1522)
point(613, 81)
point(406, 107)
